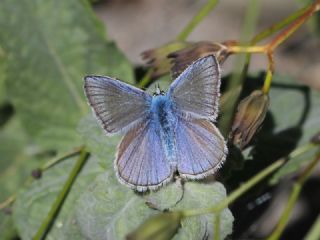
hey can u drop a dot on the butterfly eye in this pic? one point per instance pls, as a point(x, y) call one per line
point(162, 93)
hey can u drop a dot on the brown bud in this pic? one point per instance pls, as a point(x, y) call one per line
point(157, 57)
point(250, 115)
point(183, 58)
point(315, 139)
point(160, 227)
point(36, 173)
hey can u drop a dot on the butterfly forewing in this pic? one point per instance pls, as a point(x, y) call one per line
point(201, 149)
point(117, 105)
point(141, 162)
point(196, 91)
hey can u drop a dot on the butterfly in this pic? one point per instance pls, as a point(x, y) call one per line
point(165, 133)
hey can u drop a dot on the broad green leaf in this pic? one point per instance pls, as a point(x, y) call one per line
point(16, 163)
point(296, 112)
point(202, 195)
point(7, 229)
point(47, 57)
point(109, 210)
point(34, 202)
point(97, 142)
point(2, 75)
point(17, 158)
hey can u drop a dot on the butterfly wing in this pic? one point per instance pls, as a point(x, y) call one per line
point(201, 149)
point(117, 105)
point(141, 162)
point(196, 91)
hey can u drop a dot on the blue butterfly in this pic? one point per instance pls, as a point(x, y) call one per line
point(165, 134)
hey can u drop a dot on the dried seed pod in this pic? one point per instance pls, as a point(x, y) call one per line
point(177, 56)
point(183, 58)
point(157, 57)
point(249, 117)
point(159, 227)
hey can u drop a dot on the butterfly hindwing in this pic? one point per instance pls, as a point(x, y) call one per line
point(200, 147)
point(196, 91)
point(117, 105)
point(141, 162)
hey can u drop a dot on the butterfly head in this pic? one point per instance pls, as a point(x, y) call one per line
point(158, 91)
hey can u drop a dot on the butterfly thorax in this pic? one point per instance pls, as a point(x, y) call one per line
point(165, 122)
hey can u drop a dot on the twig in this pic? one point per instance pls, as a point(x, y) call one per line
point(293, 199)
point(43, 168)
point(45, 226)
point(203, 12)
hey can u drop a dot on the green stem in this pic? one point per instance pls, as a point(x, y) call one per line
point(58, 159)
point(239, 73)
point(293, 199)
point(246, 186)
point(43, 168)
point(217, 219)
point(238, 192)
point(45, 226)
point(204, 11)
point(314, 233)
point(278, 26)
point(146, 78)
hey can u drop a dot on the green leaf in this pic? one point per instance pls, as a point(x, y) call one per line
point(7, 228)
point(296, 112)
point(34, 202)
point(202, 195)
point(47, 58)
point(97, 142)
point(17, 158)
point(109, 210)
point(2, 75)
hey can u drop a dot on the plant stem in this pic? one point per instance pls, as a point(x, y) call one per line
point(268, 79)
point(45, 226)
point(293, 199)
point(217, 218)
point(281, 37)
point(238, 192)
point(314, 233)
point(276, 27)
point(45, 167)
point(58, 159)
point(237, 78)
point(203, 12)
point(146, 78)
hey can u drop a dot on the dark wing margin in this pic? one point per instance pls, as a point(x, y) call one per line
point(140, 162)
point(196, 91)
point(117, 105)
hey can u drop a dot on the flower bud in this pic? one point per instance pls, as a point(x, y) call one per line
point(315, 139)
point(160, 227)
point(250, 115)
point(157, 57)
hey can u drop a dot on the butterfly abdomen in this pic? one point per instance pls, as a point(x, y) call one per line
point(165, 122)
